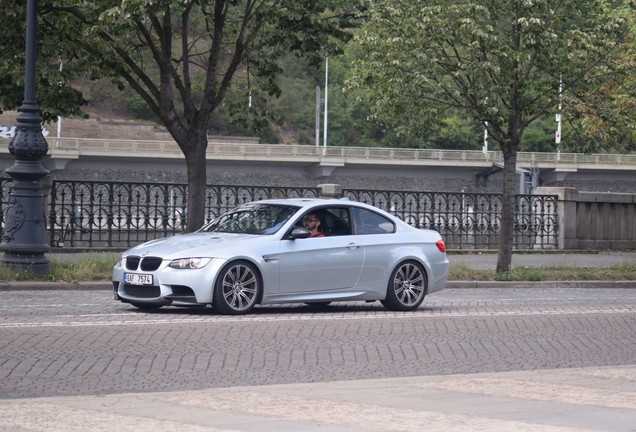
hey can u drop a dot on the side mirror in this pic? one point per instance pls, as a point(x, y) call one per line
point(299, 233)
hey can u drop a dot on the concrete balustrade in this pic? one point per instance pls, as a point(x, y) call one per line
point(593, 220)
point(354, 155)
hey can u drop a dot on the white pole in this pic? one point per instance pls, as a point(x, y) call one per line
point(557, 136)
point(59, 118)
point(317, 116)
point(324, 137)
point(484, 148)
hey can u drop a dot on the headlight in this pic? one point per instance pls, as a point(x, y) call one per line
point(189, 263)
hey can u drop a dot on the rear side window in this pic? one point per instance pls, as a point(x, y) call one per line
point(368, 222)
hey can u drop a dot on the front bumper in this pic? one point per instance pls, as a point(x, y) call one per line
point(170, 286)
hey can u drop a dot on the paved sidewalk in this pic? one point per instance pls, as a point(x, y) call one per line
point(562, 400)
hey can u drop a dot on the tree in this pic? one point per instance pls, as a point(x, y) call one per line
point(55, 95)
point(605, 115)
point(182, 57)
point(498, 61)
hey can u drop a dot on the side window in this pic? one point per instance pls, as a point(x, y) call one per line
point(368, 222)
point(337, 221)
point(334, 221)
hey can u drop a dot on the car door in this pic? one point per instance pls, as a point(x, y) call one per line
point(317, 264)
point(377, 235)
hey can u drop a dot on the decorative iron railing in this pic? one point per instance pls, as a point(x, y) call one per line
point(470, 220)
point(117, 214)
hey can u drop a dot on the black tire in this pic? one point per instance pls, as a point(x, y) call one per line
point(146, 306)
point(237, 289)
point(407, 287)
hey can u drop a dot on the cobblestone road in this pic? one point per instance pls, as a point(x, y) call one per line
point(83, 343)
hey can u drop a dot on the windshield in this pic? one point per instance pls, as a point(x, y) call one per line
point(252, 219)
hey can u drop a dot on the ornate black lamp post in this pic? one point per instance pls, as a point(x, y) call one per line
point(24, 237)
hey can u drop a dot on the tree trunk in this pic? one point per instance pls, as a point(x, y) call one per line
point(196, 167)
point(504, 258)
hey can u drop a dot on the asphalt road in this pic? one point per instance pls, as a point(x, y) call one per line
point(529, 360)
point(57, 343)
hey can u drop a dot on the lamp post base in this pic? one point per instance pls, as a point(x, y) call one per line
point(36, 264)
point(24, 235)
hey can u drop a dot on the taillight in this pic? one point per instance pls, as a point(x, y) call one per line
point(441, 246)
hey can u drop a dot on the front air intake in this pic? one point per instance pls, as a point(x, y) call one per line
point(150, 263)
point(132, 262)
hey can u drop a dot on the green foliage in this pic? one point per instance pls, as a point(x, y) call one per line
point(180, 59)
point(539, 136)
point(604, 116)
point(55, 93)
point(84, 267)
point(348, 115)
point(520, 274)
point(70, 268)
point(617, 272)
point(137, 106)
point(497, 62)
point(463, 271)
point(282, 72)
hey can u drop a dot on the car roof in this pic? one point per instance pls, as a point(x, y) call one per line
point(305, 202)
point(318, 202)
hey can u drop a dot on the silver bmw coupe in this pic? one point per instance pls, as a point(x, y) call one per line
point(313, 251)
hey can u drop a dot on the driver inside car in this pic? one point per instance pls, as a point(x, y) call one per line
point(312, 223)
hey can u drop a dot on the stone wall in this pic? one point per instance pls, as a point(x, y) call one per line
point(438, 180)
point(590, 220)
point(425, 179)
point(594, 182)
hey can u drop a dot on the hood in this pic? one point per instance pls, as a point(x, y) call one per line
point(193, 244)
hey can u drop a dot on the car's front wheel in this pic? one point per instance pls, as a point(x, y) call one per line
point(237, 289)
point(407, 287)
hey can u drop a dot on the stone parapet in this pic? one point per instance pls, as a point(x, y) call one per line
point(594, 220)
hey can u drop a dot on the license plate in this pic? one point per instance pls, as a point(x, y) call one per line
point(137, 279)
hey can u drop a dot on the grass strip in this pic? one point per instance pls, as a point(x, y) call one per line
point(98, 266)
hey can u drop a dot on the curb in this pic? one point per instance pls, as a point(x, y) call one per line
point(107, 285)
point(542, 284)
point(56, 286)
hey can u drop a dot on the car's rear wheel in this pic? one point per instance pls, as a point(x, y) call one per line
point(407, 287)
point(237, 289)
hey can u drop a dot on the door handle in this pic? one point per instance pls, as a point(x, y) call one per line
point(353, 246)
